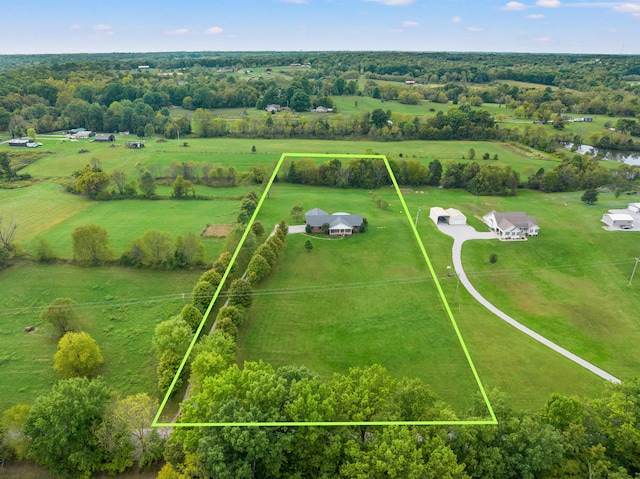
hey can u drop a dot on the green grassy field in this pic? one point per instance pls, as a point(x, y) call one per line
point(355, 301)
point(63, 158)
point(504, 357)
point(128, 220)
point(118, 307)
point(44, 210)
point(587, 309)
point(569, 284)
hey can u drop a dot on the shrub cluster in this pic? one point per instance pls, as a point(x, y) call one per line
point(157, 249)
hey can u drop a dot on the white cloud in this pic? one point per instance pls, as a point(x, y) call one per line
point(514, 6)
point(474, 29)
point(75, 26)
point(632, 8)
point(535, 16)
point(548, 3)
point(456, 19)
point(393, 3)
point(101, 27)
point(543, 39)
point(214, 31)
point(179, 31)
point(409, 24)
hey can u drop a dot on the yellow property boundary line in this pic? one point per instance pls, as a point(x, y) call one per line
point(491, 421)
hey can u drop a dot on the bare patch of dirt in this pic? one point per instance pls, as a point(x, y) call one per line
point(216, 231)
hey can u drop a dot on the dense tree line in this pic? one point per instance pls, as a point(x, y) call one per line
point(109, 94)
point(360, 173)
point(568, 437)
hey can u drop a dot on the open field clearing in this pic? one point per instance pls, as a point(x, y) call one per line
point(355, 302)
point(128, 220)
point(569, 284)
point(504, 357)
point(64, 158)
point(118, 307)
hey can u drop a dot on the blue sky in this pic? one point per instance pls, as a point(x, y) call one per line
point(554, 26)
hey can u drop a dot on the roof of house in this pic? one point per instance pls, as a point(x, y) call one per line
point(450, 212)
point(317, 217)
point(104, 137)
point(316, 211)
point(619, 216)
point(507, 221)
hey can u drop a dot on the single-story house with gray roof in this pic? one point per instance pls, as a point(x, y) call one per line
point(340, 224)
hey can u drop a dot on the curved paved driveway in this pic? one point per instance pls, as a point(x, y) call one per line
point(460, 234)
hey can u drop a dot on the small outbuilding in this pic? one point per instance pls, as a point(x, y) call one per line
point(83, 134)
point(19, 143)
point(450, 216)
point(104, 137)
point(617, 220)
point(634, 207)
point(134, 144)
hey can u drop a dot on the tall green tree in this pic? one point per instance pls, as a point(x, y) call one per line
point(157, 248)
point(147, 184)
point(78, 355)
point(61, 315)
point(91, 244)
point(189, 250)
point(92, 184)
point(6, 170)
point(14, 441)
point(61, 427)
point(135, 413)
point(590, 196)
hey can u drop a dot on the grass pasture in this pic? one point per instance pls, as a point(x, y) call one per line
point(355, 301)
point(64, 158)
point(128, 220)
point(118, 307)
point(568, 284)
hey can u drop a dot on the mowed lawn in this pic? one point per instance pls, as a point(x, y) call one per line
point(118, 307)
point(367, 299)
point(570, 283)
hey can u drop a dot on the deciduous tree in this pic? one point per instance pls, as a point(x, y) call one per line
point(78, 355)
point(240, 293)
point(61, 315)
point(148, 184)
point(157, 247)
point(43, 251)
point(90, 244)
point(590, 196)
point(172, 335)
point(189, 250)
point(192, 316)
point(61, 427)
